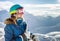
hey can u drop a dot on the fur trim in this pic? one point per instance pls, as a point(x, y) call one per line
point(9, 21)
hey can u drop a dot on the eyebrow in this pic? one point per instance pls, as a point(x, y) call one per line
point(19, 8)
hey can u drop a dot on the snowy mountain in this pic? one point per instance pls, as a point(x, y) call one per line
point(37, 24)
point(40, 24)
point(3, 15)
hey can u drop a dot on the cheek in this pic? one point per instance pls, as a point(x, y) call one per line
point(20, 12)
point(20, 15)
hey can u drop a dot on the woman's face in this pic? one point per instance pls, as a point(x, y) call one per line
point(19, 13)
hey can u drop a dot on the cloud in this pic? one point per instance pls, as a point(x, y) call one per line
point(35, 9)
point(58, 1)
point(43, 9)
point(5, 5)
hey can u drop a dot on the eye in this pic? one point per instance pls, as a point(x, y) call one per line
point(16, 11)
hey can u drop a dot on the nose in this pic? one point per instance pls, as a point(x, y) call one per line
point(20, 11)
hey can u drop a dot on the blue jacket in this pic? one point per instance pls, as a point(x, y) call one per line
point(13, 32)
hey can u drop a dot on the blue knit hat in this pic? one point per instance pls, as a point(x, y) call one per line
point(14, 8)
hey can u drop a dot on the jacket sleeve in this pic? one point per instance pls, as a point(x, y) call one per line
point(23, 27)
point(8, 33)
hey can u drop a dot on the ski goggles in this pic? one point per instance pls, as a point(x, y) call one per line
point(19, 11)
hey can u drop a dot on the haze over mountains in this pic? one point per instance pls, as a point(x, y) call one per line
point(36, 24)
point(40, 24)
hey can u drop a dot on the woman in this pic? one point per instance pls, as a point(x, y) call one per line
point(15, 26)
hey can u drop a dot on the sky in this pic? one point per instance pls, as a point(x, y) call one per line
point(35, 1)
point(35, 7)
